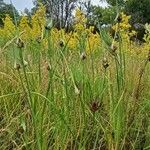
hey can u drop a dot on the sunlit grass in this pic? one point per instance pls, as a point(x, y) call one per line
point(56, 97)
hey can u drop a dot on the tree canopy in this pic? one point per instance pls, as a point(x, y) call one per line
point(7, 9)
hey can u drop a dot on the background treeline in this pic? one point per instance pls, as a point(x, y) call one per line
point(62, 12)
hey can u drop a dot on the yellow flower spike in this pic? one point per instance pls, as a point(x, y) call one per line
point(9, 28)
point(38, 21)
point(80, 21)
point(24, 26)
point(124, 29)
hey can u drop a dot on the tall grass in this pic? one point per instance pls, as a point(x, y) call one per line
point(73, 100)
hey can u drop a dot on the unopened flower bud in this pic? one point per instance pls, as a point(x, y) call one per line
point(25, 63)
point(61, 43)
point(83, 56)
point(39, 39)
point(49, 24)
point(48, 66)
point(119, 18)
point(17, 66)
point(94, 106)
point(77, 92)
point(113, 48)
point(20, 43)
point(148, 56)
point(105, 63)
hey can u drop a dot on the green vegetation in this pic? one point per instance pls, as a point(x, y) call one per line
point(7, 9)
point(89, 96)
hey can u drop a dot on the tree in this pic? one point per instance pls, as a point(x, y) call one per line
point(140, 14)
point(115, 2)
point(7, 9)
point(103, 16)
point(139, 11)
point(86, 6)
point(59, 10)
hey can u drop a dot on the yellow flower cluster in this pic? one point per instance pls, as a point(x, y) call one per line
point(28, 31)
point(124, 28)
point(80, 36)
point(80, 21)
point(38, 22)
point(8, 31)
point(93, 40)
point(81, 39)
point(83, 34)
point(25, 28)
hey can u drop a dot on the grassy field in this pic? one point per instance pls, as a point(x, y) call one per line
point(53, 97)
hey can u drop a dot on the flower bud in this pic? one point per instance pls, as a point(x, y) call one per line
point(77, 91)
point(61, 43)
point(48, 66)
point(20, 43)
point(94, 106)
point(105, 63)
point(83, 56)
point(39, 39)
point(25, 63)
point(17, 66)
point(148, 56)
point(113, 48)
point(49, 24)
point(118, 18)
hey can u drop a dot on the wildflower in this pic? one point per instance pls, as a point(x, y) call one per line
point(76, 90)
point(38, 21)
point(61, 43)
point(48, 66)
point(118, 18)
point(83, 56)
point(94, 106)
point(39, 39)
point(105, 63)
point(17, 66)
point(149, 56)
point(124, 28)
point(21, 129)
point(48, 25)
point(25, 28)
point(9, 27)
point(80, 22)
point(25, 63)
point(19, 43)
point(113, 48)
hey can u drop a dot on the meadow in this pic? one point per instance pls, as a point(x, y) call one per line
point(77, 90)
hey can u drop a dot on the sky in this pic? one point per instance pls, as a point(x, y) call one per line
point(22, 4)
